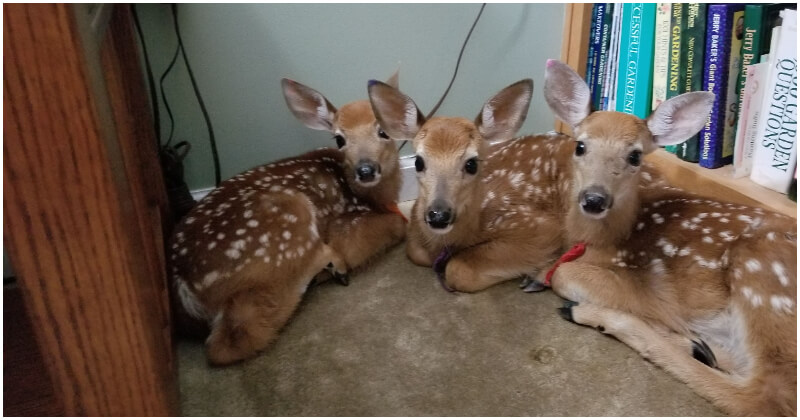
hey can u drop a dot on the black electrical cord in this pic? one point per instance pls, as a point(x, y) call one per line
point(164, 95)
point(150, 80)
point(455, 72)
point(211, 138)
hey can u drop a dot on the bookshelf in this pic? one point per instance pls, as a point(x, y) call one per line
point(716, 183)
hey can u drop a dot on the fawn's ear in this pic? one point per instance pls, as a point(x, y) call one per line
point(679, 118)
point(503, 115)
point(308, 105)
point(394, 79)
point(396, 113)
point(566, 93)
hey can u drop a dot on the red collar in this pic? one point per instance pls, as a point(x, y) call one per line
point(576, 251)
point(392, 207)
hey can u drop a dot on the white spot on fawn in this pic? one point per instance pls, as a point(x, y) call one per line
point(752, 265)
point(211, 245)
point(252, 223)
point(287, 235)
point(210, 278)
point(755, 299)
point(248, 214)
point(233, 253)
point(781, 303)
point(780, 271)
point(240, 231)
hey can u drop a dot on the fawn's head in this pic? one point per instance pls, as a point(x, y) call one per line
point(449, 150)
point(370, 154)
point(609, 145)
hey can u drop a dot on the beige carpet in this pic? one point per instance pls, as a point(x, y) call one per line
point(394, 343)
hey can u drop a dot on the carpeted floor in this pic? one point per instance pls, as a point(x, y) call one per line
point(394, 343)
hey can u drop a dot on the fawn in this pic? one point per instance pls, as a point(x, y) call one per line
point(243, 257)
point(703, 288)
point(495, 208)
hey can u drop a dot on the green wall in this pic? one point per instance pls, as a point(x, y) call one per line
point(240, 52)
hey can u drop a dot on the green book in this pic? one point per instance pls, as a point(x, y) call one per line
point(751, 43)
point(693, 44)
point(636, 42)
point(674, 82)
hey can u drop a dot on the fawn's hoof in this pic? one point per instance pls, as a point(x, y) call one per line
point(530, 284)
point(566, 310)
point(703, 353)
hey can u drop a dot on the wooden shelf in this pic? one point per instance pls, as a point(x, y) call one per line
point(719, 183)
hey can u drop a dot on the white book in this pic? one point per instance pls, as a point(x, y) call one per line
point(749, 115)
point(612, 94)
point(776, 141)
point(661, 53)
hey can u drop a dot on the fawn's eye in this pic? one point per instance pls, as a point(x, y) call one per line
point(419, 164)
point(580, 148)
point(339, 140)
point(471, 166)
point(635, 158)
point(382, 134)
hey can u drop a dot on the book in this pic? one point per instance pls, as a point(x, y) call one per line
point(597, 36)
point(693, 58)
point(637, 38)
point(661, 54)
point(776, 142)
point(732, 97)
point(750, 52)
point(613, 68)
point(602, 65)
point(749, 115)
point(590, 56)
point(676, 27)
point(715, 80)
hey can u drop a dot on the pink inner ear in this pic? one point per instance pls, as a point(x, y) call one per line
point(550, 62)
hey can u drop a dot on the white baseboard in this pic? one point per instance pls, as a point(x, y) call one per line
point(199, 193)
point(408, 192)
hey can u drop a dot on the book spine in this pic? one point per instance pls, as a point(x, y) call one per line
point(676, 27)
point(693, 55)
point(714, 81)
point(661, 55)
point(750, 41)
point(636, 59)
point(602, 65)
point(590, 55)
point(749, 115)
point(611, 91)
point(731, 96)
point(776, 142)
point(597, 36)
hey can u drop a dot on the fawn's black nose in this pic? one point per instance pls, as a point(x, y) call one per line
point(595, 200)
point(439, 215)
point(366, 171)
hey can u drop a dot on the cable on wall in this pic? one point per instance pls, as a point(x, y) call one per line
point(455, 72)
point(212, 140)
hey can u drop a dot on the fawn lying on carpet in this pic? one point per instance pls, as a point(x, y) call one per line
point(705, 289)
point(243, 257)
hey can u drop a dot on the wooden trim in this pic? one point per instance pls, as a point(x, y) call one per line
point(72, 227)
point(574, 44)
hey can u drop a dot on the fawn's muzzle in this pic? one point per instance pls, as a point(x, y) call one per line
point(367, 171)
point(439, 215)
point(595, 201)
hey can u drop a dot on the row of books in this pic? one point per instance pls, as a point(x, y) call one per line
point(641, 54)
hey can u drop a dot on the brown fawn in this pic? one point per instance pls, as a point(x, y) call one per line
point(495, 208)
point(705, 289)
point(243, 257)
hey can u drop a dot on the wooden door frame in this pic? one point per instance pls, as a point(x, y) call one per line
point(91, 280)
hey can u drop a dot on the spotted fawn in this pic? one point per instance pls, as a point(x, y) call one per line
point(703, 288)
point(243, 257)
